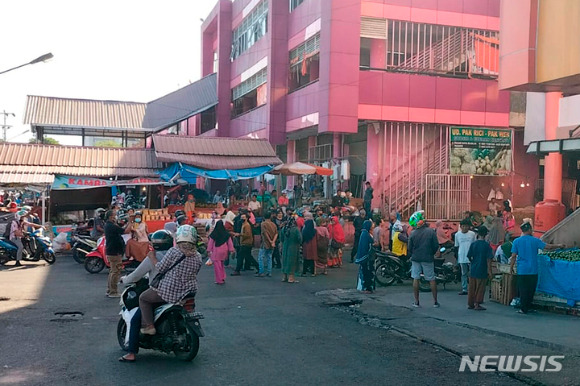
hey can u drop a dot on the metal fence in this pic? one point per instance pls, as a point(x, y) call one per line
point(447, 197)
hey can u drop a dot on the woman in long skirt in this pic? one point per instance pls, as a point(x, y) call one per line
point(322, 240)
point(365, 261)
point(291, 239)
point(337, 240)
point(309, 247)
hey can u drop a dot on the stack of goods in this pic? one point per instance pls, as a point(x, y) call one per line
point(564, 254)
point(156, 215)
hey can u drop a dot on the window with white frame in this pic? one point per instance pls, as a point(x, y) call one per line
point(252, 28)
point(250, 94)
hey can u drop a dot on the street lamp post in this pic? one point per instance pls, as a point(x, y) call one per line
point(42, 58)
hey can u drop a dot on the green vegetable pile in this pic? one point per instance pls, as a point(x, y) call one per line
point(564, 254)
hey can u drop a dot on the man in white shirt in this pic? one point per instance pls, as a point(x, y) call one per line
point(254, 205)
point(463, 240)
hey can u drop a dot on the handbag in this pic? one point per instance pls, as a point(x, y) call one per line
point(160, 275)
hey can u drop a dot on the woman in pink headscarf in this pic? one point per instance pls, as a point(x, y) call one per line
point(337, 240)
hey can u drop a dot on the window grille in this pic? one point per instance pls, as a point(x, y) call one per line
point(253, 27)
point(250, 84)
point(294, 4)
point(308, 48)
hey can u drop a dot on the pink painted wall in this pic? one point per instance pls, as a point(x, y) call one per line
point(482, 14)
point(339, 63)
point(517, 53)
point(303, 102)
point(303, 16)
point(245, 124)
point(419, 98)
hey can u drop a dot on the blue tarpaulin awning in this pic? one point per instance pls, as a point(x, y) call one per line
point(189, 173)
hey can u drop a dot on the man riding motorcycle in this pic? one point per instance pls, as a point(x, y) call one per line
point(174, 285)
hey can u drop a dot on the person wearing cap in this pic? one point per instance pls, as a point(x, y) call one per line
point(98, 229)
point(525, 255)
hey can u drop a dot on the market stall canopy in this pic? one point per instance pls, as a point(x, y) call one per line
point(177, 171)
point(568, 145)
point(34, 164)
point(300, 168)
point(215, 153)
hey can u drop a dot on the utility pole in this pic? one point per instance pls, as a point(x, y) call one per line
point(5, 127)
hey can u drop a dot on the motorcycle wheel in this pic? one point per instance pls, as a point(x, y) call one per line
point(49, 257)
point(424, 285)
point(94, 264)
point(192, 345)
point(78, 256)
point(385, 275)
point(4, 259)
point(122, 333)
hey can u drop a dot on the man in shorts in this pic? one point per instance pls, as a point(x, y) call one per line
point(422, 247)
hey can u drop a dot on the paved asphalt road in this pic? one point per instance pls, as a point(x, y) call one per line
point(259, 331)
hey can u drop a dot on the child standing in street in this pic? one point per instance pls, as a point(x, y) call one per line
point(480, 255)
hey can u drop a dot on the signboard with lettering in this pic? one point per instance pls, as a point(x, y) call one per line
point(73, 182)
point(480, 151)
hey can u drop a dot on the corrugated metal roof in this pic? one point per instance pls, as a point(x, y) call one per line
point(213, 146)
point(78, 161)
point(25, 178)
point(181, 104)
point(89, 113)
point(215, 153)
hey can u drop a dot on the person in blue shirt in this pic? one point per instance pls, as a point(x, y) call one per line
point(525, 253)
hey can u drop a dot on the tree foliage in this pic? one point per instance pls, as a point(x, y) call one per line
point(47, 141)
point(107, 143)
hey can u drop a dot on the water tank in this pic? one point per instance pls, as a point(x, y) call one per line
point(548, 213)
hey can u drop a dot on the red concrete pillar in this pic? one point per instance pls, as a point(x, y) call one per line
point(378, 53)
point(553, 162)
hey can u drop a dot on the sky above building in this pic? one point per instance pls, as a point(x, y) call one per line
point(129, 50)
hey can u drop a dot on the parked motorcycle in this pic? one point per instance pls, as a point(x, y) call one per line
point(391, 268)
point(81, 247)
point(445, 271)
point(97, 260)
point(177, 325)
point(38, 246)
point(7, 251)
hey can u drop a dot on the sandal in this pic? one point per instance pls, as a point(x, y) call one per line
point(294, 281)
point(123, 359)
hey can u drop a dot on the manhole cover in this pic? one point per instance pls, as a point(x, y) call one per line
point(67, 316)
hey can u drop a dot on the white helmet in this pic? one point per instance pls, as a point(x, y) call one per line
point(187, 234)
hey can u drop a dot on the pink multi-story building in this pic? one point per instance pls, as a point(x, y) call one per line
point(377, 83)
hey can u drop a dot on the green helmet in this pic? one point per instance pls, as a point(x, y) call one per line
point(417, 219)
point(186, 233)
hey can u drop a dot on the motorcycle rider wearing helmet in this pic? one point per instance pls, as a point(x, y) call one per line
point(179, 268)
point(98, 224)
point(17, 227)
point(422, 247)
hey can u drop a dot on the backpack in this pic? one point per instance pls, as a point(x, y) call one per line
point(6, 233)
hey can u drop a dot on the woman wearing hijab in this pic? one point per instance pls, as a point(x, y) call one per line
point(488, 222)
point(219, 247)
point(322, 241)
point(337, 240)
point(228, 222)
point(496, 234)
point(291, 240)
point(138, 247)
point(309, 247)
point(365, 261)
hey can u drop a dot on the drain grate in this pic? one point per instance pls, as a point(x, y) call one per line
point(67, 316)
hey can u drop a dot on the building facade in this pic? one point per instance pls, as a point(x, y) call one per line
point(373, 86)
